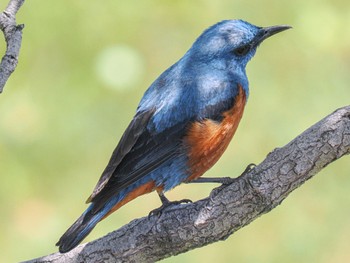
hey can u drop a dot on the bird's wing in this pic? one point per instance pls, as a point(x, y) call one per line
point(128, 140)
point(138, 153)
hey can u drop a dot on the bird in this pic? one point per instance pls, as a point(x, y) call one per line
point(183, 124)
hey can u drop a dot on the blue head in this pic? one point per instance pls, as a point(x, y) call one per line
point(208, 73)
point(229, 45)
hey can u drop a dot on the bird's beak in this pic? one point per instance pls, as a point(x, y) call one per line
point(266, 32)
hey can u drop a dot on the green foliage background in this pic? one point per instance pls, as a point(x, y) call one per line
point(60, 120)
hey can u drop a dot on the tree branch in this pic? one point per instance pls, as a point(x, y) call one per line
point(13, 37)
point(228, 208)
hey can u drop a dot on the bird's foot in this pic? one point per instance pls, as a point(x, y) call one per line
point(228, 180)
point(158, 211)
point(221, 180)
point(250, 167)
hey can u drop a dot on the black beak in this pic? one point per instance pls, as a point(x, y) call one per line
point(266, 32)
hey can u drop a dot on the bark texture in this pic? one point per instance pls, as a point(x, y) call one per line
point(13, 37)
point(228, 208)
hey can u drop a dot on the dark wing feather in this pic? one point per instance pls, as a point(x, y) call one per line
point(129, 138)
point(149, 152)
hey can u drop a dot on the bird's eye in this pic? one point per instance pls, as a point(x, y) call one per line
point(242, 50)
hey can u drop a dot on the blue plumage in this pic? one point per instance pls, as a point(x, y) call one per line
point(183, 123)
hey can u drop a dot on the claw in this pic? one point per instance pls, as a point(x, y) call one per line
point(250, 167)
point(158, 211)
point(228, 180)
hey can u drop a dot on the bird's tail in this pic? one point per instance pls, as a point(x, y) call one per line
point(98, 210)
point(81, 228)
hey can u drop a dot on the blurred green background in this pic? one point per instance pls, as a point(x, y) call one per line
point(83, 67)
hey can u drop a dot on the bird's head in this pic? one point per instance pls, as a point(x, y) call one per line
point(232, 42)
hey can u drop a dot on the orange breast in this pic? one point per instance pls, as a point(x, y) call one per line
point(208, 139)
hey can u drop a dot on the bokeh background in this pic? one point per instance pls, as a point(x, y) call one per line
point(83, 67)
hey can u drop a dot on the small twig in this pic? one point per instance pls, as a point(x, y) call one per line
point(230, 207)
point(13, 37)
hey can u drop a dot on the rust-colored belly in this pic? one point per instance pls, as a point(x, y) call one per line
point(141, 190)
point(208, 139)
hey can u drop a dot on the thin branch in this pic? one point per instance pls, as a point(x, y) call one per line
point(228, 208)
point(13, 37)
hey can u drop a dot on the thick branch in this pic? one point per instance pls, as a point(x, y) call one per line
point(229, 208)
point(13, 37)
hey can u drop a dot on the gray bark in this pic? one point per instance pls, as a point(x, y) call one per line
point(13, 37)
point(228, 208)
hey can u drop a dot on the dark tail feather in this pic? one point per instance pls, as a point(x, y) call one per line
point(80, 229)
